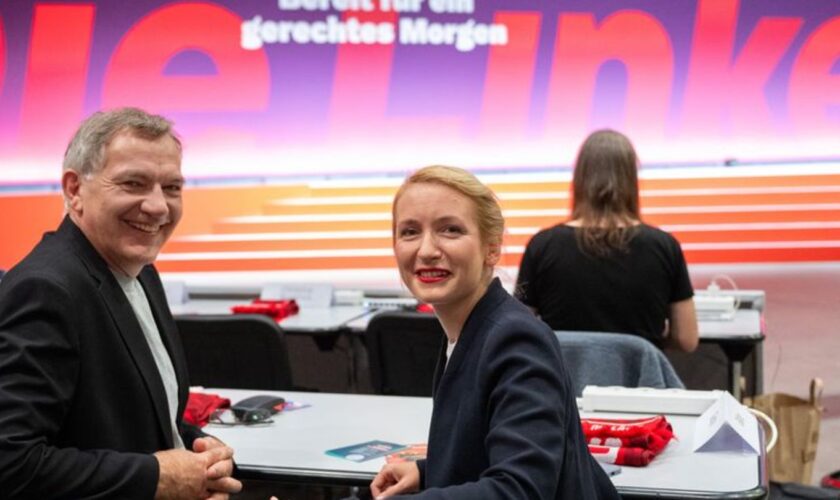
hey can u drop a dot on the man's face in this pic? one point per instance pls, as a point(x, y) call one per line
point(129, 208)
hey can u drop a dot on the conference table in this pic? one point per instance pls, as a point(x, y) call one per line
point(328, 355)
point(325, 320)
point(324, 324)
point(293, 447)
point(737, 336)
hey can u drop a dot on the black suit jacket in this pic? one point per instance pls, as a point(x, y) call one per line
point(505, 423)
point(82, 405)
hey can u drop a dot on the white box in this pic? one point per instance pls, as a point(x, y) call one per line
point(647, 400)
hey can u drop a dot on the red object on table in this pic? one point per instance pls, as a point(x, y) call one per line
point(277, 309)
point(201, 405)
point(633, 442)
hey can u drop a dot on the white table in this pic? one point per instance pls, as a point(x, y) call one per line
point(293, 447)
point(307, 320)
point(737, 337)
point(326, 327)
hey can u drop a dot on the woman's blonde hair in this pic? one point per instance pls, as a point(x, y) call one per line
point(488, 212)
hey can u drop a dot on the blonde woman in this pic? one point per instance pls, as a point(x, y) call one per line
point(505, 424)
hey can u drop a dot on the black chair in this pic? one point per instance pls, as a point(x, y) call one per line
point(606, 359)
point(403, 348)
point(239, 351)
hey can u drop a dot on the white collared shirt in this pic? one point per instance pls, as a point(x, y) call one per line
point(143, 311)
point(450, 346)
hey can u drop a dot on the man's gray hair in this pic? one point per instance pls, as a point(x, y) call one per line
point(86, 152)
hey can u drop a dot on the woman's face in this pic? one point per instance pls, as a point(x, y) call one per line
point(439, 249)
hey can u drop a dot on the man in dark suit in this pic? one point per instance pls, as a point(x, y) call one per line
point(93, 381)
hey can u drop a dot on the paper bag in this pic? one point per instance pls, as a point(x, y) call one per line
point(798, 421)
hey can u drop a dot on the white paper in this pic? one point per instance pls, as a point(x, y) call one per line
point(307, 295)
point(726, 426)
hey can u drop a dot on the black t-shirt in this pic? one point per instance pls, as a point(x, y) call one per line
point(627, 292)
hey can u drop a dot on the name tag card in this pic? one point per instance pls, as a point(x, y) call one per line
point(726, 426)
point(307, 295)
point(176, 292)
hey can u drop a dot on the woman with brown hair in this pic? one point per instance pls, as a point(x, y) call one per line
point(605, 269)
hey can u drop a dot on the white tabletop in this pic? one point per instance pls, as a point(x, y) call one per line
point(746, 324)
point(297, 441)
point(678, 469)
point(306, 320)
point(327, 320)
point(294, 445)
point(205, 306)
point(360, 324)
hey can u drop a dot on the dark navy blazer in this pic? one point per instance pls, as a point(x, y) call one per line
point(82, 404)
point(505, 423)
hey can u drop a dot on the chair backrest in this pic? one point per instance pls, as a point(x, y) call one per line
point(238, 351)
point(402, 350)
point(605, 359)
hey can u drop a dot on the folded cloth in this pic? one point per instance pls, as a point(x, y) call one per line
point(277, 309)
point(634, 457)
point(200, 406)
point(632, 442)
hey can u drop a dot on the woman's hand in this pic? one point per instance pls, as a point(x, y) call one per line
point(394, 479)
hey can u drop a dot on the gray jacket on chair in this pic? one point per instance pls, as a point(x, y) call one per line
point(596, 358)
